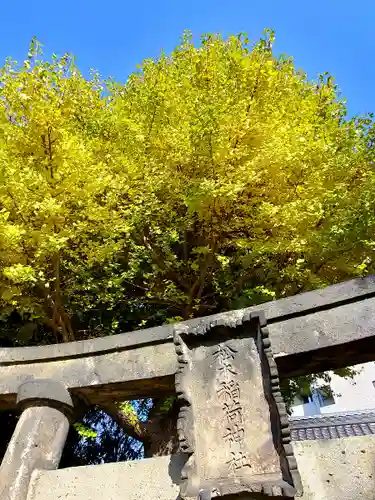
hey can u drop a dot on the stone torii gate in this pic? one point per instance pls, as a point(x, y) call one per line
point(233, 427)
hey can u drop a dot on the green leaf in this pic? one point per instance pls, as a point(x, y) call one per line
point(84, 431)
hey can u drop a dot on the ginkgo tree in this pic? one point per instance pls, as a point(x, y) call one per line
point(56, 225)
point(216, 177)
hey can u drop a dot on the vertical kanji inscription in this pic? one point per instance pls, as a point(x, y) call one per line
point(228, 392)
point(225, 386)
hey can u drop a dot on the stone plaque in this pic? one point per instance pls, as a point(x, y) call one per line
point(232, 421)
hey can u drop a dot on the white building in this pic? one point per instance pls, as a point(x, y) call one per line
point(347, 395)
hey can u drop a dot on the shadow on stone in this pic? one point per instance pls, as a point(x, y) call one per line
point(8, 421)
point(175, 466)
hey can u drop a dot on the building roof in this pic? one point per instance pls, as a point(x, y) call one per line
point(333, 426)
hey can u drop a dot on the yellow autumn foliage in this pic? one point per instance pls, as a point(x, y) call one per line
point(217, 176)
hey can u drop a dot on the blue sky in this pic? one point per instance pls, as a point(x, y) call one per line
point(114, 36)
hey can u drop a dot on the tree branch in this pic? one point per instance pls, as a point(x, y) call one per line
point(16, 206)
point(198, 287)
point(63, 318)
point(130, 423)
point(184, 247)
point(172, 275)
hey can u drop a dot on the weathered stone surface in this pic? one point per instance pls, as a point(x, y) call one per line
point(233, 419)
point(151, 479)
point(229, 422)
point(39, 437)
point(145, 371)
point(113, 343)
point(37, 443)
point(315, 331)
point(42, 391)
point(323, 328)
point(333, 338)
point(339, 469)
point(351, 291)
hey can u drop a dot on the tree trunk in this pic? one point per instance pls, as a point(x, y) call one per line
point(158, 434)
point(162, 430)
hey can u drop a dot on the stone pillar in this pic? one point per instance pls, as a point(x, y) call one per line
point(39, 437)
